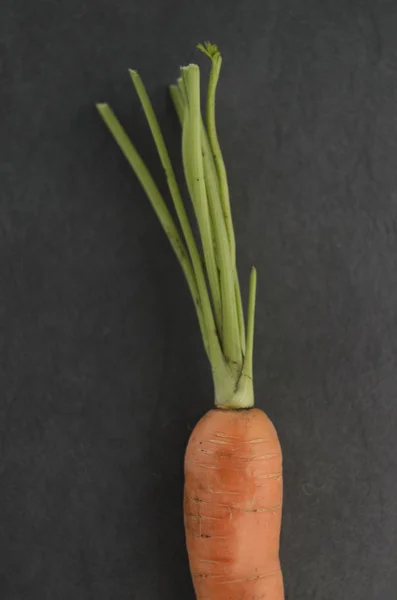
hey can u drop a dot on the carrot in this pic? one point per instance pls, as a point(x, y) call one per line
point(233, 463)
point(232, 505)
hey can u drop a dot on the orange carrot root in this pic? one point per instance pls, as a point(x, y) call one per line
point(233, 506)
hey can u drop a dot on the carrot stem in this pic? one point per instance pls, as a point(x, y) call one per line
point(194, 158)
point(177, 99)
point(166, 163)
point(158, 204)
point(248, 369)
point(230, 326)
point(211, 50)
point(216, 62)
point(213, 280)
point(234, 307)
point(175, 194)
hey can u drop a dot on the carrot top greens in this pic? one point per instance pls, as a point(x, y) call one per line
point(212, 277)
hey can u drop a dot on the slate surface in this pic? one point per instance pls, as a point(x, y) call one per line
point(102, 371)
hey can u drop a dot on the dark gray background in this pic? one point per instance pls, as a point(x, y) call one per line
point(102, 371)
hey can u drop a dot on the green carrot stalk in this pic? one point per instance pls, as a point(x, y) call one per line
point(211, 276)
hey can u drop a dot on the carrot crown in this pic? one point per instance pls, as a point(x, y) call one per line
point(210, 274)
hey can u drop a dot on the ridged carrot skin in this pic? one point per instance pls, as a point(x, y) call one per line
point(233, 505)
